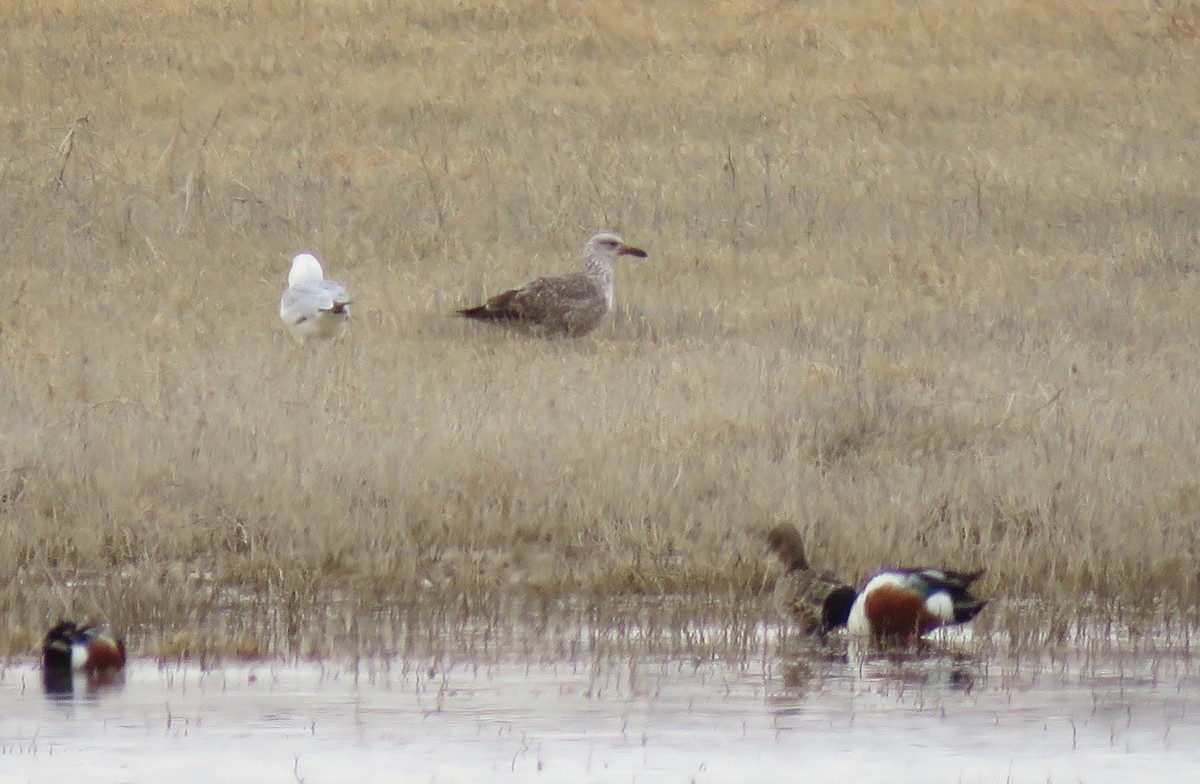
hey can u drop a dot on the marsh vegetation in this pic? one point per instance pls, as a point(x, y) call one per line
point(922, 280)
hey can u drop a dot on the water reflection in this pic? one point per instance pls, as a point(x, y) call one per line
point(608, 703)
point(65, 685)
point(808, 661)
point(58, 684)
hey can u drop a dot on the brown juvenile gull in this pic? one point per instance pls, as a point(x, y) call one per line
point(573, 304)
point(313, 307)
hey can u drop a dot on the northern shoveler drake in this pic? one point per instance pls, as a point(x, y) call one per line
point(70, 648)
point(900, 605)
point(895, 605)
point(818, 601)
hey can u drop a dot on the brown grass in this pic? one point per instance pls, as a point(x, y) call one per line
point(923, 279)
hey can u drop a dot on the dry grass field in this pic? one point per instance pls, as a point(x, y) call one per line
point(923, 278)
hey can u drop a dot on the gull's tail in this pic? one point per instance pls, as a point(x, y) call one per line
point(498, 308)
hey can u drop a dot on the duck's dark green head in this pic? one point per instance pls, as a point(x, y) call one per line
point(835, 612)
point(56, 648)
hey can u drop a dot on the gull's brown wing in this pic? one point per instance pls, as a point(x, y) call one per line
point(566, 304)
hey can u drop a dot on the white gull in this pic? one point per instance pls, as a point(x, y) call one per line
point(313, 307)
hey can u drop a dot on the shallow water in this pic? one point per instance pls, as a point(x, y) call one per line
point(1107, 710)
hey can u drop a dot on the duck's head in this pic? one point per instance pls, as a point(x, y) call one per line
point(784, 541)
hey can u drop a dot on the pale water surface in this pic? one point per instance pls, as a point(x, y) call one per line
point(1097, 712)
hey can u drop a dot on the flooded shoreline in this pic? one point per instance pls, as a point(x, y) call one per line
point(770, 707)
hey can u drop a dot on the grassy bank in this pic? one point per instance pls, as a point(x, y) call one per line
point(922, 278)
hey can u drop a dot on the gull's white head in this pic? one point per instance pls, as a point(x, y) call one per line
point(606, 246)
point(305, 268)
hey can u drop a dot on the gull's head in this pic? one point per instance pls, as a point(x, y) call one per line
point(608, 246)
point(305, 268)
